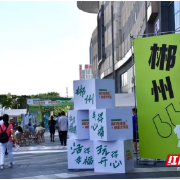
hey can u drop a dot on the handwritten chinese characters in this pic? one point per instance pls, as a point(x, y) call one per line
point(163, 58)
point(72, 125)
point(81, 91)
point(108, 158)
point(82, 154)
point(89, 99)
point(98, 124)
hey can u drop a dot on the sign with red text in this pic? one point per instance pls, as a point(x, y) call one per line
point(173, 160)
point(50, 102)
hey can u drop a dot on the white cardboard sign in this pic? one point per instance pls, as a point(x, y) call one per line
point(94, 94)
point(111, 124)
point(78, 121)
point(80, 154)
point(113, 157)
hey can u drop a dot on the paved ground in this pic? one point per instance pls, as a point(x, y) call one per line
point(46, 161)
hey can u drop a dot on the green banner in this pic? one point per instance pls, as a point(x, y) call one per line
point(157, 71)
point(50, 102)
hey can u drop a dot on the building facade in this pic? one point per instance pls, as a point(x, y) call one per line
point(86, 73)
point(112, 45)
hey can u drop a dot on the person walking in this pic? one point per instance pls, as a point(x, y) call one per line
point(1, 120)
point(63, 128)
point(59, 115)
point(52, 127)
point(6, 141)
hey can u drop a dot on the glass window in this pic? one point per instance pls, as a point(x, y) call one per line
point(124, 79)
point(176, 6)
point(177, 14)
point(177, 20)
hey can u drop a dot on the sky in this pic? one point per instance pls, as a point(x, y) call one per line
point(42, 44)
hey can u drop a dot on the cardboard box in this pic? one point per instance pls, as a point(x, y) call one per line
point(78, 121)
point(80, 154)
point(111, 124)
point(94, 94)
point(113, 157)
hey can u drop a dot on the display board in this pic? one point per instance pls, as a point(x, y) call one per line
point(157, 68)
point(50, 102)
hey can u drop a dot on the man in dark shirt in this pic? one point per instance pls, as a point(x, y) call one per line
point(135, 129)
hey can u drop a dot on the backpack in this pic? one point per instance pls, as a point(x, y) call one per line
point(4, 138)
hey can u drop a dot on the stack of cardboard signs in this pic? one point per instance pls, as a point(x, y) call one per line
point(100, 134)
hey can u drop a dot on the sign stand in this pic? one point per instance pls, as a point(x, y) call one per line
point(138, 159)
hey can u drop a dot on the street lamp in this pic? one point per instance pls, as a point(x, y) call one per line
point(18, 105)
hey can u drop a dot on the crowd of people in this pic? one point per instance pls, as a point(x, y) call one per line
point(6, 141)
point(62, 124)
point(8, 128)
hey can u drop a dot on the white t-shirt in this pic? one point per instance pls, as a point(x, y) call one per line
point(1, 122)
point(63, 120)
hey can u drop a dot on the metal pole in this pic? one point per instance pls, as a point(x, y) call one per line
point(146, 17)
point(159, 33)
point(112, 32)
point(132, 55)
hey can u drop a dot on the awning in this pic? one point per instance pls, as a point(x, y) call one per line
point(88, 6)
point(15, 112)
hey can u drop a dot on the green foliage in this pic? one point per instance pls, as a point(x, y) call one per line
point(47, 95)
point(58, 110)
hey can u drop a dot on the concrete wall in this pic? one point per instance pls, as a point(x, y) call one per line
point(129, 18)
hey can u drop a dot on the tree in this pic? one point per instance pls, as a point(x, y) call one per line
point(58, 110)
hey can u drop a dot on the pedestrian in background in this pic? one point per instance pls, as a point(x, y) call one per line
point(6, 141)
point(59, 115)
point(63, 128)
point(31, 129)
point(1, 120)
point(135, 130)
point(52, 128)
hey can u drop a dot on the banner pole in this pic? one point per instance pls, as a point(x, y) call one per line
point(133, 65)
point(159, 33)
